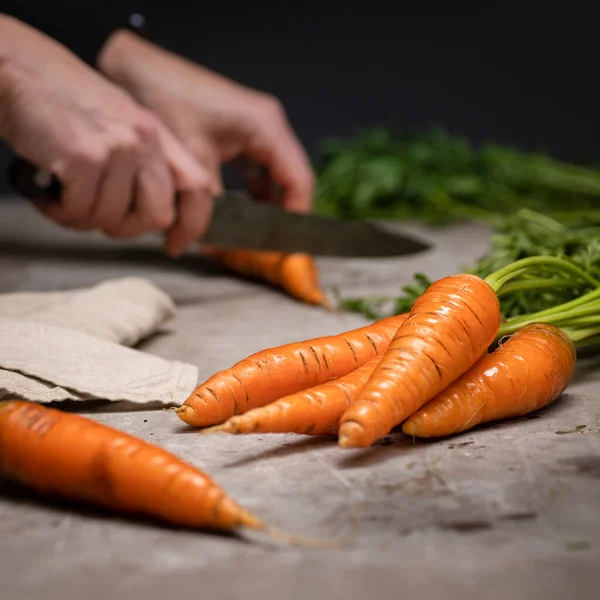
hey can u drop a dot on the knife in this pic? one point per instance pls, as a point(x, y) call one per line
point(238, 221)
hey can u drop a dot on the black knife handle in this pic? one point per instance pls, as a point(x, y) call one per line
point(32, 182)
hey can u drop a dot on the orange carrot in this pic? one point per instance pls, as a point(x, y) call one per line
point(296, 273)
point(66, 456)
point(448, 329)
point(315, 411)
point(525, 373)
point(271, 374)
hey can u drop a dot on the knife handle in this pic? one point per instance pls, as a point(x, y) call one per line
point(32, 182)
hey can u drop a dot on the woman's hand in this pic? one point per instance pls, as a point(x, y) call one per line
point(120, 166)
point(218, 120)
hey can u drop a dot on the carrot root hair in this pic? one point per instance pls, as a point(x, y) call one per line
point(280, 535)
point(223, 428)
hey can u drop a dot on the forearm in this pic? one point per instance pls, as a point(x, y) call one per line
point(73, 23)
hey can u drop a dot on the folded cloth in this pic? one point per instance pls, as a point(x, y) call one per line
point(73, 345)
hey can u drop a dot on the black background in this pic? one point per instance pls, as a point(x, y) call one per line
point(523, 74)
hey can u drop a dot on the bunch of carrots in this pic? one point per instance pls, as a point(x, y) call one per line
point(430, 370)
point(434, 370)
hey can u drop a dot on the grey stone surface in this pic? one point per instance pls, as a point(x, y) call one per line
point(508, 511)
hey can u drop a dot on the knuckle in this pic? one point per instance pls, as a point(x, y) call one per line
point(198, 181)
point(126, 141)
point(94, 156)
point(163, 219)
point(146, 126)
point(272, 108)
point(80, 155)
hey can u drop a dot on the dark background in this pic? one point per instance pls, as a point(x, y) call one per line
point(523, 74)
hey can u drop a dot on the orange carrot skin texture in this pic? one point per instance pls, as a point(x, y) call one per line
point(296, 273)
point(315, 411)
point(526, 373)
point(448, 329)
point(274, 373)
point(67, 456)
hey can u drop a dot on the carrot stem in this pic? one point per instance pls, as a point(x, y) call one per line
point(588, 341)
point(583, 335)
point(577, 317)
point(535, 283)
point(582, 300)
point(566, 318)
point(502, 276)
point(592, 320)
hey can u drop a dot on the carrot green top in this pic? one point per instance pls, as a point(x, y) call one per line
point(578, 318)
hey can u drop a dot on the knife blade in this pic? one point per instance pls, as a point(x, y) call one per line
point(239, 222)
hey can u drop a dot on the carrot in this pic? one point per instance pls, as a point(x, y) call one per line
point(448, 329)
point(314, 411)
point(271, 374)
point(295, 273)
point(524, 374)
point(67, 456)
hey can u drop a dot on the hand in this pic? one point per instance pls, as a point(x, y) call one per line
point(218, 120)
point(119, 165)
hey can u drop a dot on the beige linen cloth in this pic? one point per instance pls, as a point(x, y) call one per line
point(75, 345)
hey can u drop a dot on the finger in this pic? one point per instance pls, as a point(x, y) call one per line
point(205, 151)
point(195, 188)
point(116, 191)
point(153, 206)
point(80, 181)
point(280, 152)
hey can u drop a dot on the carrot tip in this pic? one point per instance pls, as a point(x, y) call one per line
point(185, 412)
point(350, 436)
point(344, 442)
point(408, 429)
point(330, 306)
point(411, 427)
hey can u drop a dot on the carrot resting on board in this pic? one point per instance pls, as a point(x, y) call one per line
point(527, 372)
point(295, 273)
point(448, 329)
point(271, 374)
point(63, 455)
point(314, 411)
